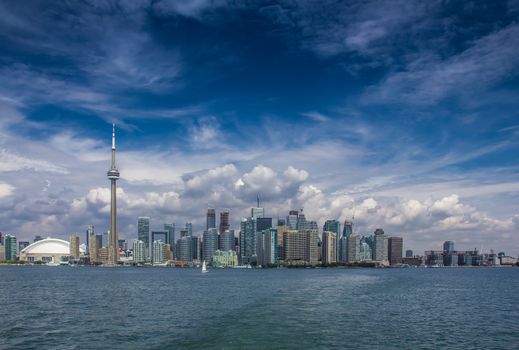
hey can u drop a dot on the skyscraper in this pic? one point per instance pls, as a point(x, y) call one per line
point(247, 241)
point(257, 212)
point(226, 241)
point(224, 221)
point(139, 252)
point(158, 252)
point(329, 254)
point(263, 224)
point(395, 249)
point(210, 243)
point(74, 246)
point(170, 228)
point(266, 247)
point(301, 246)
point(380, 246)
point(185, 249)
point(448, 246)
point(189, 228)
point(334, 226)
point(143, 230)
point(292, 219)
point(113, 176)
point(301, 221)
point(10, 247)
point(353, 248)
point(89, 230)
point(210, 219)
point(161, 235)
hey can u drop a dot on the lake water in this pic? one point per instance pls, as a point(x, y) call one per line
point(165, 308)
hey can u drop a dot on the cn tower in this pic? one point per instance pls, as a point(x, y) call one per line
point(113, 176)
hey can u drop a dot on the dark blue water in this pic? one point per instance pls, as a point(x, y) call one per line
point(137, 308)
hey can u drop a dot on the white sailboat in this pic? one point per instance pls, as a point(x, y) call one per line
point(204, 268)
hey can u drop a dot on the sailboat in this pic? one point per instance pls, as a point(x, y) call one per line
point(204, 268)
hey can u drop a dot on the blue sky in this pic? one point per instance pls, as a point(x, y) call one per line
point(402, 113)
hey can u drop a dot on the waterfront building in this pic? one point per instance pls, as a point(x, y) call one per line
point(266, 247)
point(103, 254)
point(1, 239)
point(185, 248)
point(448, 246)
point(433, 258)
point(301, 246)
point(210, 219)
point(89, 232)
point(2, 252)
point(408, 253)
point(347, 230)
point(143, 231)
point(380, 246)
point(395, 248)
point(292, 219)
point(224, 220)
point(450, 258)
point(158, 252)
point(10, 247)
point(334, 226)
point(113, 176)
point(139, 252)
point(281, 230)
point(170, 228)
point(95, 242)
point(210, 243)
point(22, 244)
point(329, 255)
point(365, 252)
point(227, 258)
point(247, 241)
point(226, 241)
point(168, 254)
point(196, 248)
point(46, 250)
point(353, 254)
point(74, 246)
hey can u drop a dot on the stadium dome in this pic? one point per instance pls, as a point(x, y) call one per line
point(47, 250)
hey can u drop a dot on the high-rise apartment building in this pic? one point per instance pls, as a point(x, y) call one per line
point(184, 248)
point(301, 246)
point(10, 247)
point(226, 241)
point(247, 241)
point(281, 230)
point(224, 220)
point(139, 252)
point(395, 248)
point(210, 243)
point(170, 228)
point(89, 231)
point(74, 246)
point(210, 219)
point(143, 230)
point(329, 254)
point(448, 246)
point(380, 246)
point(292, 219)
point(353, 248)
point(266, 247)
point(158, 252)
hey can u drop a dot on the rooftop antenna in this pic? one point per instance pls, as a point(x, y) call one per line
point(257, 197)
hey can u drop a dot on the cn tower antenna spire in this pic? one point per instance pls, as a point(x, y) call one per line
point(113, 136)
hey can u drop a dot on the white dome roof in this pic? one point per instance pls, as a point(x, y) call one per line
point(48, 246)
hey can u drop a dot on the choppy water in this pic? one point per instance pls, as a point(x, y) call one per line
point(137, 308)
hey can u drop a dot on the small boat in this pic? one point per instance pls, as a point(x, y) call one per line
point(204, 267)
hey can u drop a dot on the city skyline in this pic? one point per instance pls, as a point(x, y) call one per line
point(416, 139)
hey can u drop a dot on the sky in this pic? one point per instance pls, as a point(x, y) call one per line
point(400, 114)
